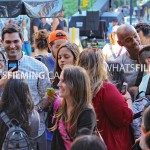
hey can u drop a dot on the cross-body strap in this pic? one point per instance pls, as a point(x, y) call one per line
point(139, 77)
point(119, 53)
point(148, 88)
point(6, 119)
point(112, 51)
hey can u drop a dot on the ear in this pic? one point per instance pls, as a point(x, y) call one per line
point(22, 40)
point(120, 43)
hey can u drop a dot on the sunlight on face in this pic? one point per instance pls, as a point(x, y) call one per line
point(65, 57)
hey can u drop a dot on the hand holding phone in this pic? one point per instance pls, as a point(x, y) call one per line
point(124, 88)
point(12, 64)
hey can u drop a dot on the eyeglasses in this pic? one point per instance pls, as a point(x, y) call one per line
point(60, 34)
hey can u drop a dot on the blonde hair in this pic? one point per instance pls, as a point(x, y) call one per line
point(94, 64)
point(112, 38)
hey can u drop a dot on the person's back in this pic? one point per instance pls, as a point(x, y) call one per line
point(41, 50)
point(16, 99)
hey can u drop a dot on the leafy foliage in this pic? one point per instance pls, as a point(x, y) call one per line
point(71, 6)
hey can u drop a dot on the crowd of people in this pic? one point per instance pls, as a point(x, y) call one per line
point(87, 110)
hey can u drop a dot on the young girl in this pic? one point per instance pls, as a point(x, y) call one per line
point(68, 54)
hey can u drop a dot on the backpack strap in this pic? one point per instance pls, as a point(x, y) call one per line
point(6, 119)
point(148, 88)
point(139, 77)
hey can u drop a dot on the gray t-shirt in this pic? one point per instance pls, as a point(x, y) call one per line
point(130, 68)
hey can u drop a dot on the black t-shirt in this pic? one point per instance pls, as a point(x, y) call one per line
point(61, 25)
point(33, 22)
point(46, 26)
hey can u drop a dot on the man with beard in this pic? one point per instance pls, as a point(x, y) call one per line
point(129, 38)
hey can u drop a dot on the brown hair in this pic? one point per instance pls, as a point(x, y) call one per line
point(11, 28)
point(78, 81)
point(143, 54)
point(73, 48)
point(40, 39)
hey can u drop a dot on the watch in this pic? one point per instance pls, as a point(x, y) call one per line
point(40, 109)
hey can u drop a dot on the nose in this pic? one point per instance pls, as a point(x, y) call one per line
point(12, 45)
point(62, 59)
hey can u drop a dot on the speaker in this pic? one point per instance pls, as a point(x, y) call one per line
point(79, 22)
point(100, 32)
point(92, 20)
point(102, 28)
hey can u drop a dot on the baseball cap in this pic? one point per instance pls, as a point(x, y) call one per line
point(56, 35)
point(115, 20)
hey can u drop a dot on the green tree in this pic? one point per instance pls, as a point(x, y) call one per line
point(71, 6)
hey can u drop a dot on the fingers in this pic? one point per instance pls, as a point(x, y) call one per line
point(12, 69)
point(51, 98)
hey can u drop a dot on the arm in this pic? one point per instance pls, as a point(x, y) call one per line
point(36, 23)
point(55, 23)
point(86, 120)
point(43, 83)
point(128, 99)
point(116, 107)
point(65, 26)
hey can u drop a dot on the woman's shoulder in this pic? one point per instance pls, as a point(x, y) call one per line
point(108, 85)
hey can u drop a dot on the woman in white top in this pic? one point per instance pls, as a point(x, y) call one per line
point(113, 50)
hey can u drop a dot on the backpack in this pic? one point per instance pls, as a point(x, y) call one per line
point(138, 107)
point(16, 138)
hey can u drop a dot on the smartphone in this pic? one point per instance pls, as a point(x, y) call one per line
point(13, 63)
point(50, 91)
point(124, 88)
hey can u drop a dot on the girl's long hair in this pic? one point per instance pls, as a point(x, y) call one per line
point(73, 48)
point(79, 84)
point(17, 102)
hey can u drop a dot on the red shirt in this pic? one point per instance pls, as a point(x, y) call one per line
point(114, 117)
